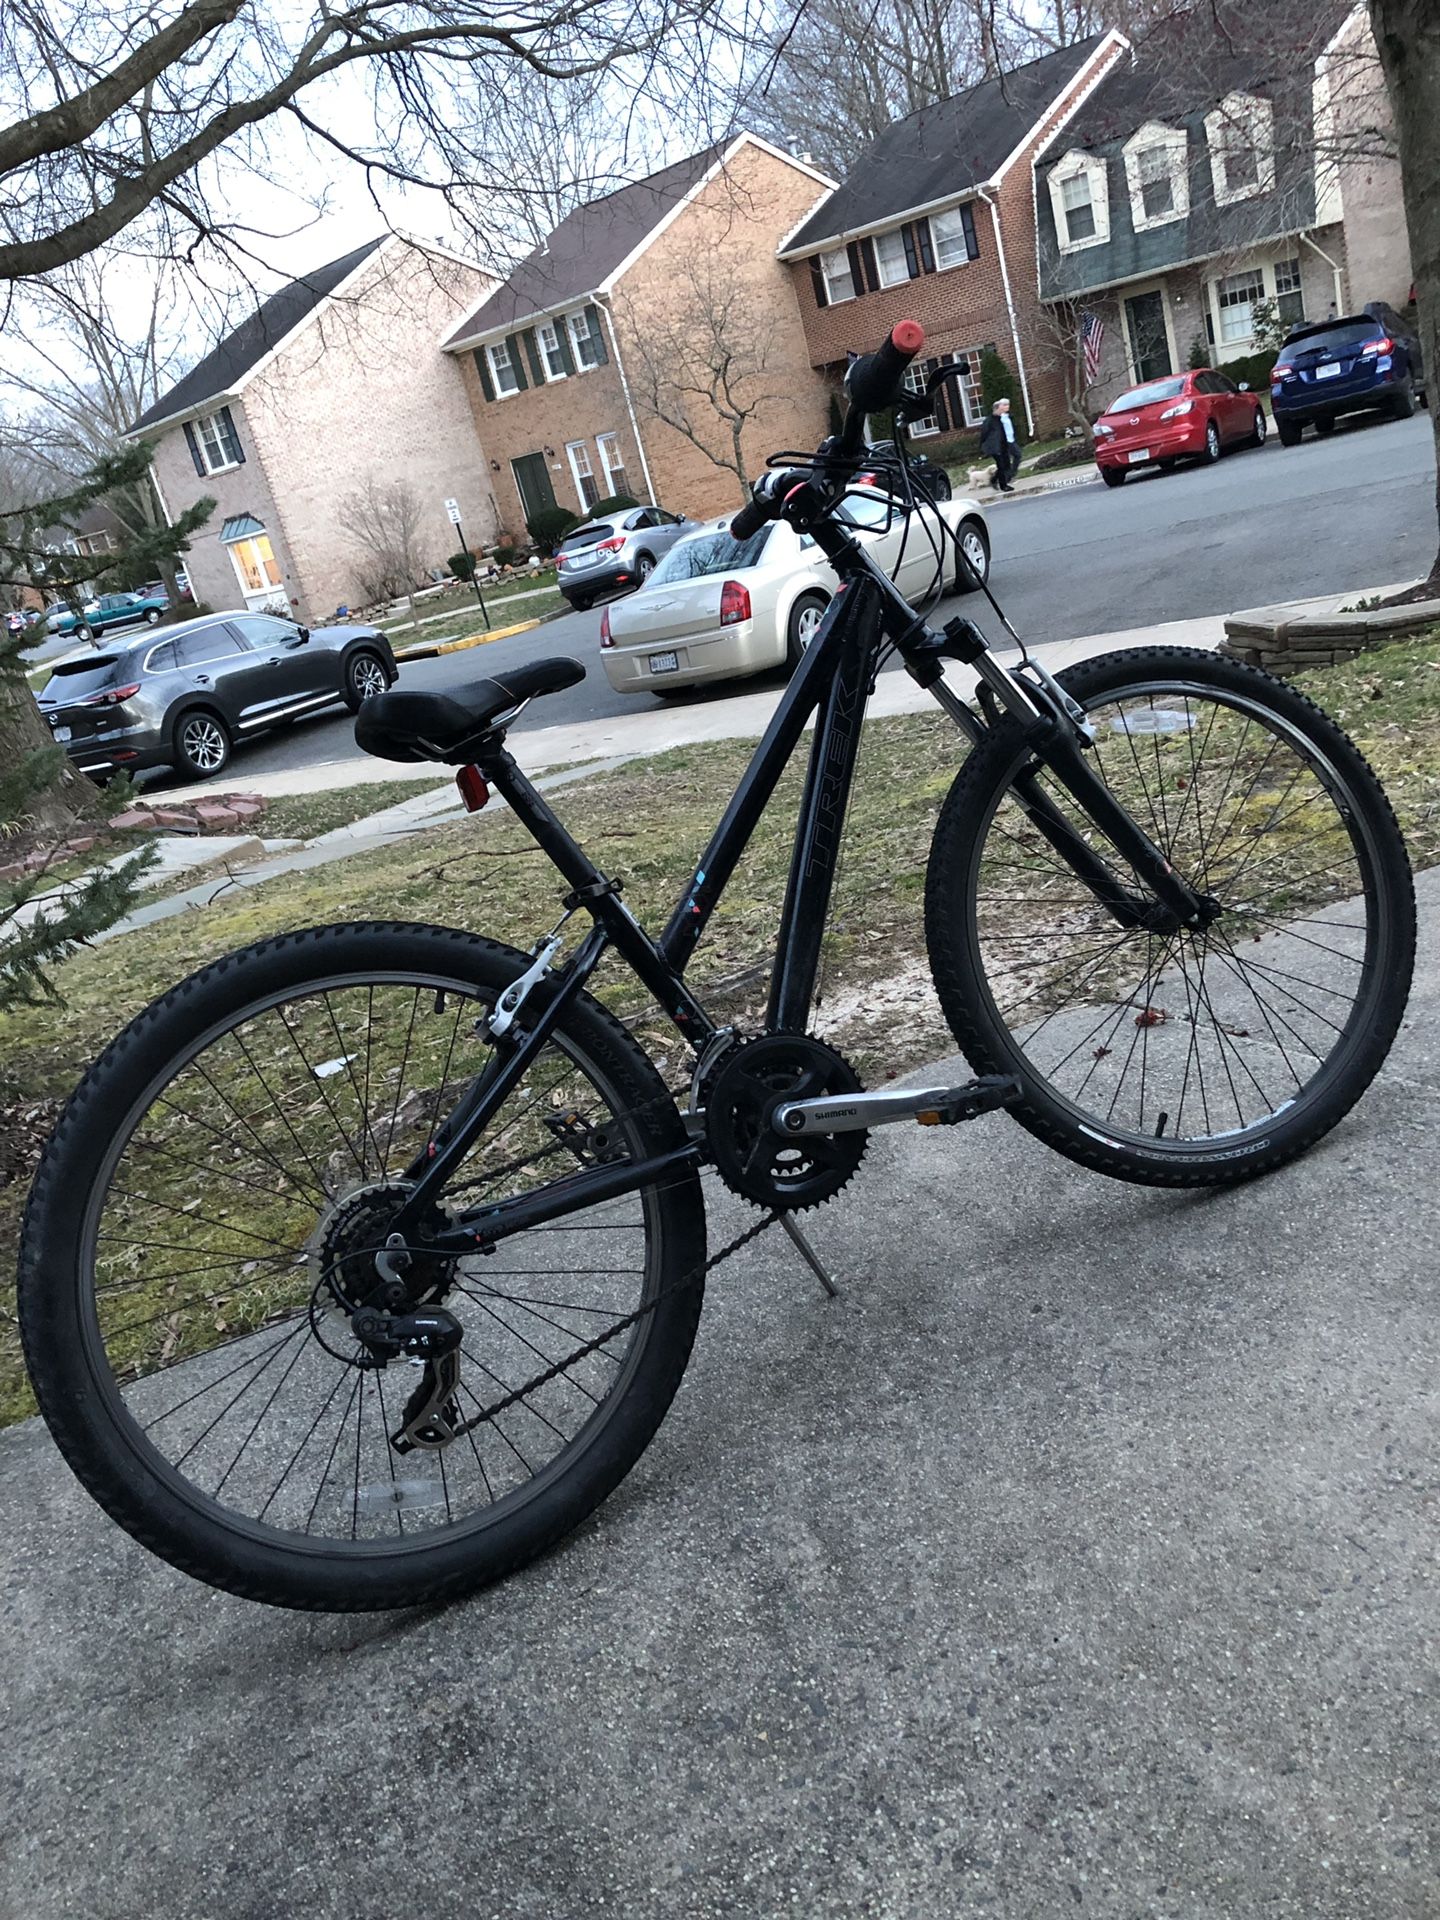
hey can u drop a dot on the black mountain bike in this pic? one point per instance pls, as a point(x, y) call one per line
point(365, 1262)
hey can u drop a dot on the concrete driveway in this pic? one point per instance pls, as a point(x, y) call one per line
point(1082, 1557)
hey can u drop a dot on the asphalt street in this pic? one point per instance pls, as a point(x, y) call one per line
point(1356, 510)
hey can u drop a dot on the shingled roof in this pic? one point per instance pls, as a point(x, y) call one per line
point(239, 351)
point(586, 247)
point(945, 149)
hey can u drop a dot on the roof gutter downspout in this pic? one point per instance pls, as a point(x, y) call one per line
point(1334, 267)
point(989, 200)
point(602, 302)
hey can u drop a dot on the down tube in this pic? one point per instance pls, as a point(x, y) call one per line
point(822, 820)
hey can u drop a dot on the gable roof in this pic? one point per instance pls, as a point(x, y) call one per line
point(254, 338)
point(587, 247)
point(1188, 61)
point(942, 150)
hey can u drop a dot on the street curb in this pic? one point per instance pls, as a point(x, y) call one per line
point(423, 652)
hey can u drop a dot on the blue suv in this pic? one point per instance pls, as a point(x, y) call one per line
point(1362, 365)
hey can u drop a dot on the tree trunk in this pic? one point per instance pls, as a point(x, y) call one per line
point(1407, 33)
point(70, 801)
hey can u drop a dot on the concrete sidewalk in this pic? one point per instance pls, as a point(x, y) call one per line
point(1080, 1558)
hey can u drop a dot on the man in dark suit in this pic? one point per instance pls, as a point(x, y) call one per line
point(998, 443)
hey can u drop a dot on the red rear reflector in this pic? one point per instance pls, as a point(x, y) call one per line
point(907, 335)
point(611, 546)
point(734, 603)
point(605, 639)
point(473, 790)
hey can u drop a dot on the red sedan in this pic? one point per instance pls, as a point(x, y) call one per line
point(1186, 416)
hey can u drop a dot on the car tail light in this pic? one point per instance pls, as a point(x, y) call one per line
point(1101, 429)
point(734, 603)
point(865, 480)
point(605, 639)
point(1182, 406)
point(1385, 345)
point(560, 561)
point(611, 546)
point(112, 696)
point(1279, 373)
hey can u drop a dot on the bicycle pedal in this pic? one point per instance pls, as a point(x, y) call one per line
point(984, 1095)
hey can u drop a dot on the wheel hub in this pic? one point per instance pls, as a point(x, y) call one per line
point(753, 1080)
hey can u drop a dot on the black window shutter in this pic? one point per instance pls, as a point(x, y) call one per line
point(817, 281)
point(597, 334)
point(857, 268)
point(482, 367)
point(562, 335)
point(937, 406)
point(927, 246)
point(872, 266)
point(517, 361)
point(912, 252)
point(194, 446)
point(532, 354)
point(967, 221)
point(235, 450)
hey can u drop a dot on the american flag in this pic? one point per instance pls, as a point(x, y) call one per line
point(1092, 335)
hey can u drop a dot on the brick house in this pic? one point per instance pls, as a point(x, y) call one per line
point(1230, 161)
point(937, 223)
point(335, 381)
point(550, 359)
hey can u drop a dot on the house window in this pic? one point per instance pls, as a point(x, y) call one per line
point(915, 383)
point(1242, 147)
point(218, 441)
point(891, 258)
point(502, 372)
point(613, 461)
point(550, 352)
point(585, 341)
point(582, 473)
point(1241, 165)
point(1079, 206)
point(256, 567)
point(947, 236)
point(1235, 296)
point(1157, 182)
point(1289, 300)
point(839, 281)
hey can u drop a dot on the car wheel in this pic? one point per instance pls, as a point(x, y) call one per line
point(939, 484)
point(581, 602)
point(1289, 432)
point(644, 567)
point(1212, 444)
point(202, 744)
point(82, 632)
point(1258, 430)
point(1113, 476)
point(976, 549)
point(365, 676)
point(1324, 428)
point(152, 618)
point(804, 623)
point(1403, 403)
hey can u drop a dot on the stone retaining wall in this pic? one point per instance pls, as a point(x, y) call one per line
point(1322, 640)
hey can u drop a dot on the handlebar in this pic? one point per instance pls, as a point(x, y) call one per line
point(873, 382)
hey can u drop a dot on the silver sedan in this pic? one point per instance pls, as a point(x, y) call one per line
point(718, 609)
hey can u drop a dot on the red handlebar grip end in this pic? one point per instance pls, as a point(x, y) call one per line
point(907, 336)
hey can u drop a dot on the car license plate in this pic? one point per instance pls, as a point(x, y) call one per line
point(1328, 373)
point(664, 663)
point(1140, 453)
point(62, 734)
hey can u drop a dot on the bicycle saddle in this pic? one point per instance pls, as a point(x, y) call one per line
point(444, 726)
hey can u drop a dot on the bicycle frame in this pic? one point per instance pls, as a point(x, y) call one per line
point(832, 682)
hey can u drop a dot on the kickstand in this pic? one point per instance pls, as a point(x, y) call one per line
point(808, 1254)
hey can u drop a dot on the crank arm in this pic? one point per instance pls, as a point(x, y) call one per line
point(931, 1106)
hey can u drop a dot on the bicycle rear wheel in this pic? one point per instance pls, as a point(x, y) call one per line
point(1193, 1058)
point(226, 1168)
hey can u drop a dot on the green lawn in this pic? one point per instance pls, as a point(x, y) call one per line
point(305, 816)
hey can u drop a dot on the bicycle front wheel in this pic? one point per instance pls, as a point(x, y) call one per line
point(1184, 1058)
point(209, 1210)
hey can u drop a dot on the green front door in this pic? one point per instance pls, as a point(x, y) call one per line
point(532, 479)
point(1149, 340)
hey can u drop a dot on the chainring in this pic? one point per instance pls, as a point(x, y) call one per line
point(753, 1079)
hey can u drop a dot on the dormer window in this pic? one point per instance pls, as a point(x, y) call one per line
point(1241, 137)
point(1157, 175)
point(1079, 200)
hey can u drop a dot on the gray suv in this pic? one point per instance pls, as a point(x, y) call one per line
point(184, 697)
point(618, 550)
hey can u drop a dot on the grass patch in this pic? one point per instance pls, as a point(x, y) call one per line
point(305, 816)
point(648, 822)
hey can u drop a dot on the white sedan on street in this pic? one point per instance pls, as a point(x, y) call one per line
point(716, 608)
